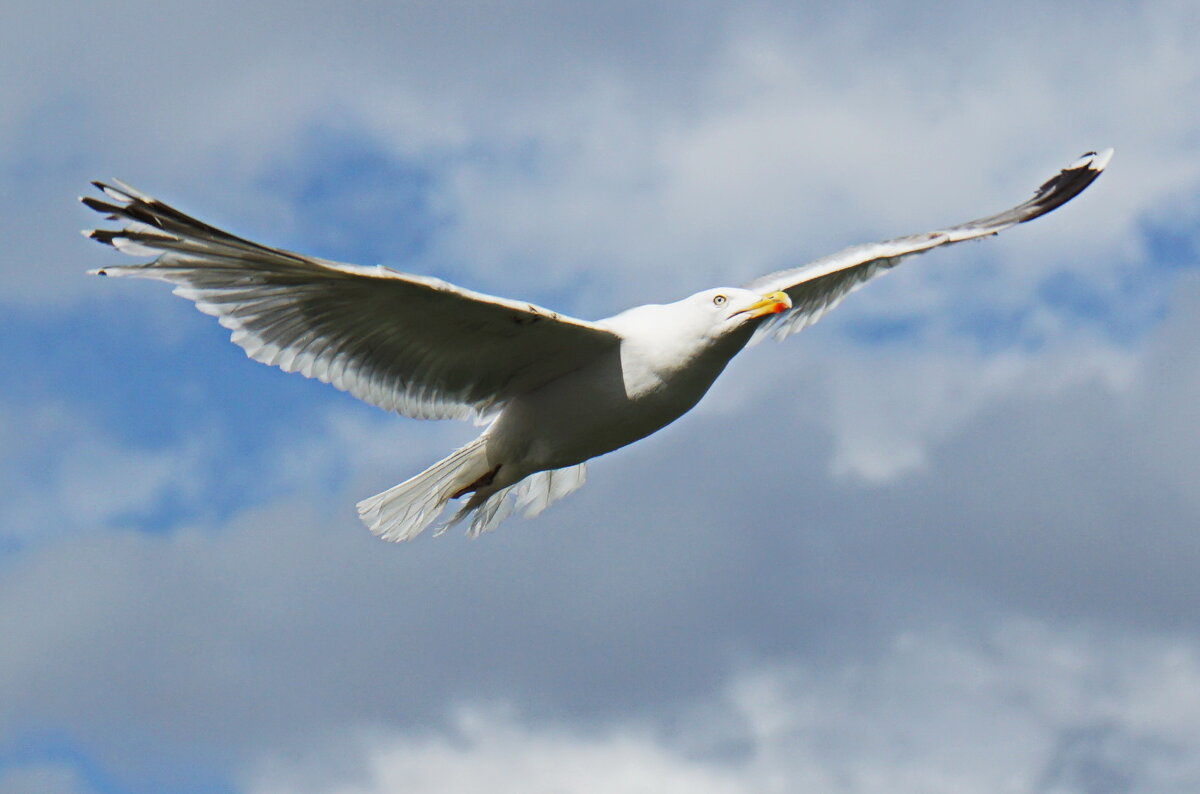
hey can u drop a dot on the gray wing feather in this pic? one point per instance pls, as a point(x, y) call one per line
point(411, 344)
point(822, 284)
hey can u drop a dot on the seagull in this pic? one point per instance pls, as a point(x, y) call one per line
point(554, 391)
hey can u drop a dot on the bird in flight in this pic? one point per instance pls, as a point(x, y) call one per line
point(556, 390)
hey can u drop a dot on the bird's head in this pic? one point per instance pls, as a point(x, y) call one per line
point(721, 316)
point(716, 318)
point(733, 307)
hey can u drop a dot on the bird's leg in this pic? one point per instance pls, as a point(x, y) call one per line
point(482, 482)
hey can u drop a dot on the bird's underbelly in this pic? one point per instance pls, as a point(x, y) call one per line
point(576, 418)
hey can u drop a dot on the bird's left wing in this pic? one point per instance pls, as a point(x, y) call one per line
point(818, 286)
point(406, 343)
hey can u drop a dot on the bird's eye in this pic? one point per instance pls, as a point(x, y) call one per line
point(719, 300)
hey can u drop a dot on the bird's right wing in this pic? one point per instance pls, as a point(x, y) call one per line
point(820, 285)
point(406, 343)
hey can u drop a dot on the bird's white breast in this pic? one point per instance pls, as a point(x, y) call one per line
point(661, 370)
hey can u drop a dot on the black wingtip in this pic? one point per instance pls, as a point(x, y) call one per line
point(104, 236)
point(1094, 161)
point(103, 207)
point(1070, 182)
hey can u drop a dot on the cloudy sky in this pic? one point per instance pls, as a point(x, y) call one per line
point(945, 541)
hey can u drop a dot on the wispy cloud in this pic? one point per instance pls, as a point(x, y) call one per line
point(65, 477)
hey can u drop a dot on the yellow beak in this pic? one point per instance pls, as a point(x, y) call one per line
point(774, 303)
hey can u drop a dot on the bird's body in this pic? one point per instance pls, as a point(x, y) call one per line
point(666, 359)
point(559, 391)
point(661, 368)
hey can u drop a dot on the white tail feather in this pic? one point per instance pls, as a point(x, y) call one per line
point(403, 511)
point(531, 495)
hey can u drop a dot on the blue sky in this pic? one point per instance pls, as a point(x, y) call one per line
point(944, 541)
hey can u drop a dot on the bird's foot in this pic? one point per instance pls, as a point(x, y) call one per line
point(482, 482)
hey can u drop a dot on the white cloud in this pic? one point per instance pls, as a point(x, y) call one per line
point(764, 145)
point(490, 751)
point(888, 407)
point(785, 156)
point(1028, 708)
point(66, 476)
point(950, 714)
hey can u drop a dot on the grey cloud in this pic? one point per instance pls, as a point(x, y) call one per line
point(726, 542)
point(717, 545)
point(1033, 710)
point(567, 139)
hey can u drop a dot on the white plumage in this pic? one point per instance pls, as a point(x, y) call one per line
point(558, 390)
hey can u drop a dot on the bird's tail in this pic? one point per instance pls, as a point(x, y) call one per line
point(403, 511)
point(488, 508)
